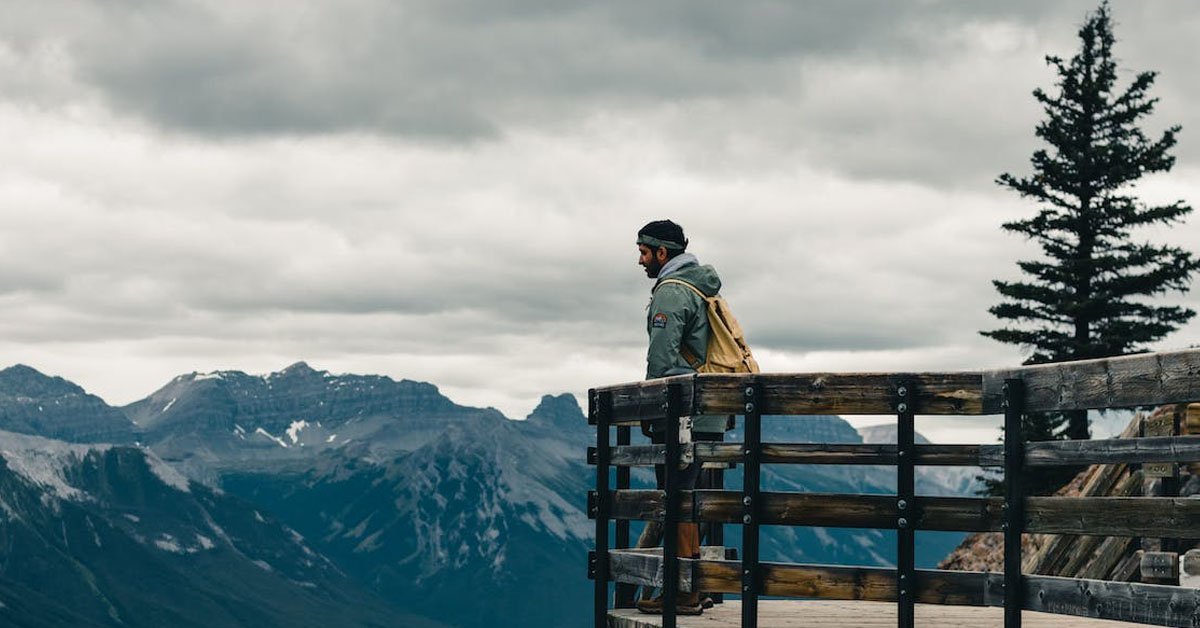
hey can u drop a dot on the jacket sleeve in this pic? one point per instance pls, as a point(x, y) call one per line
point(668, 313)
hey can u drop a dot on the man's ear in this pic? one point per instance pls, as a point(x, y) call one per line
point(660, 254)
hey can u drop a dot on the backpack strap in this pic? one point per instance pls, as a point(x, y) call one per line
point(682, 283)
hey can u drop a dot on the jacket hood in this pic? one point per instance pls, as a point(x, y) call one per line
point(687, 268)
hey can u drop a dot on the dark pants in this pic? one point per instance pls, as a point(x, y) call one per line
point(690, 478)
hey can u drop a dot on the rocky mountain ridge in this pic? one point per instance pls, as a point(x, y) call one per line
point(33, 403)
point(109, 535)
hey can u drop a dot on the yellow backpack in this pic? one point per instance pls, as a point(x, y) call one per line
point(727, 348)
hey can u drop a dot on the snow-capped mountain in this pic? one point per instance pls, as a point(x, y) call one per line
point(209, 423)
point(103, 535)
point(493, 511)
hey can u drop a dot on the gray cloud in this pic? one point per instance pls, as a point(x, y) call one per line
point(448, 190)
point(873, 89)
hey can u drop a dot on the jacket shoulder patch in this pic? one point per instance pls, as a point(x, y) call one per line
point(659, 320)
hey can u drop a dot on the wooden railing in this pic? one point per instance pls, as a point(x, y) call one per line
point(1134, 381)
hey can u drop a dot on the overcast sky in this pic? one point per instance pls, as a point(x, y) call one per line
point(449, 191)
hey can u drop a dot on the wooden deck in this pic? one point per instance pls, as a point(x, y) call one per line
point(827, 614)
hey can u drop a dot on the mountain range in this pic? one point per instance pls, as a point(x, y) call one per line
point(377, 501)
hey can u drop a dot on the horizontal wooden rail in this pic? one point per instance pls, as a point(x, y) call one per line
point(1151, 379)
point(812, 581)
point(813, 453)
point(801, 394)
point(834, 393)
point(1113, 451)
point(1128, 381)
point(1179, 449)
point(815, 509)
point(1111, 516)
point(1159, 605)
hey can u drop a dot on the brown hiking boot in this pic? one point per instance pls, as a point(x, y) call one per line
point(686, 604)
point(652, 606)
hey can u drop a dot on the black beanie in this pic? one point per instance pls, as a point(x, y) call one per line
point(666, 231)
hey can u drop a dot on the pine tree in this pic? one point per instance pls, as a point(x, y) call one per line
point(1087, 297)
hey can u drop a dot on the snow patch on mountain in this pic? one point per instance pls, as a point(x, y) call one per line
point(166, 472)
point(272, 437)
point(43, 461)
point(293, 430)
point(167, 543)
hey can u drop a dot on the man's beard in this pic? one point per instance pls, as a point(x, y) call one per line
point(653, 268)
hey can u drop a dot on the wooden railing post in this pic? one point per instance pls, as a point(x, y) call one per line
point(906, 521)
point(1014, 500)
point(751, 507)
point(716, 535)
point(623, 595)
point(601, 413)
point(670, 589)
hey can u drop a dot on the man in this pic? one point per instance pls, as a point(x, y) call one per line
point(677, 324)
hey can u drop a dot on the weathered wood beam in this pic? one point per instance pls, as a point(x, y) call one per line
point(1113, 451)
point(1151, 379)
point(827, 582)
point(840, 393)
point(819, 453)
point(1113, 516)
point(1128, 381)
point(1160, 605)
point(816, 509)
point(1179, 449)
point(637, 401)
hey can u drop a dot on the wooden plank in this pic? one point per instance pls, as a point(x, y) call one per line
point(817, 509)
point(645, 567)
point(1166, 449)
point(840, 393)
point(1128, 568)
point(830, 582)
point(636, 401)
point(1139, 380)
point(1108, 558)
point(1089, 553)
point(1159, 605)
point(1056, 550)
point(820, 453)
point(1116, 516)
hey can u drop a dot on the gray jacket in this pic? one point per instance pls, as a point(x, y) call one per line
point(677, 320)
